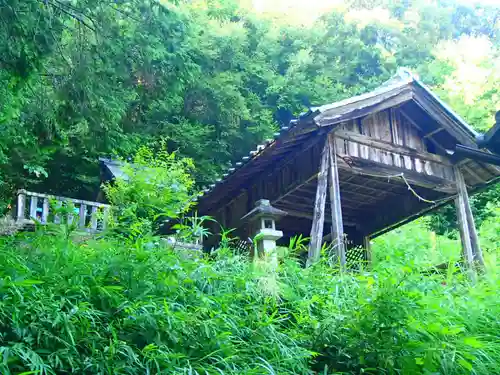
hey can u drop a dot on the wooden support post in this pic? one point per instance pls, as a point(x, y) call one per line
point(45, 210)
point(82, 215)
point(335, 204)
point(464, 214)
point(21, 204)
point(319, 208)
point(33, 207)
point(474, 238)
point(461, 202)
point(368, 250)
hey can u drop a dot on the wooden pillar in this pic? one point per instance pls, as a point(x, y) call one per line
point(368, 250)
point(477, 253)
point(319, 208)
point(466, 230)
point(335, 203)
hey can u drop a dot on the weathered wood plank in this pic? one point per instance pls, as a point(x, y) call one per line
point(383, 120)
point(390, 147)
point(461, 203)
point(319, 208)
point(335, 203)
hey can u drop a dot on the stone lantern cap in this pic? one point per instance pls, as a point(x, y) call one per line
point(263, 209)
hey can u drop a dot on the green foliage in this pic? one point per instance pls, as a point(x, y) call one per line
point(91, 78)
point(108, 306)
point(155, 185)
point(414, 245)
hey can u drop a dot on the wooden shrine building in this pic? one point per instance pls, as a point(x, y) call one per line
point(353, 170)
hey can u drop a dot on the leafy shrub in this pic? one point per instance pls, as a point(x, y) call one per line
point(154, 185)
point(136, 307)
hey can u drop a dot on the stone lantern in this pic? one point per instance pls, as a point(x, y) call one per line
point(262, 224)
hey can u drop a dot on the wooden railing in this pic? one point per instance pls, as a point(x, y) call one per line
point(37, 207)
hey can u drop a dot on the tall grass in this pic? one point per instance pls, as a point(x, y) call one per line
point(111, 306)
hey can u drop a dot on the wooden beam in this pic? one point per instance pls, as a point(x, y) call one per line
point(348, 221)
point(335, 203)
point(461, 202)
point(430, 134)
point(303, 205)
point(411, 121)
point(319, 209)
point(309, 194)
point(375, 190)
point(391, 147)
point(376, 232)
point(294, 189)
point(443, 201)
point(375, 169)
point(463, 196)
point(473, 173)
point(253, 168)
point(436, 111)
point(348, 109)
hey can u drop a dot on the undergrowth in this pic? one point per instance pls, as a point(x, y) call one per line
point(109, 306)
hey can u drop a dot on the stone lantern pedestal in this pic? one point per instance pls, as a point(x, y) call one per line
point(262, 222)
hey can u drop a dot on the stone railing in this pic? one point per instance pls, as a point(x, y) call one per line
point(85, 214)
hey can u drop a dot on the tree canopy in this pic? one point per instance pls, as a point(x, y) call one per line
point(211, 78)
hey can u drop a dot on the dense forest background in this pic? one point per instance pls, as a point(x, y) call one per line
point(212, 78)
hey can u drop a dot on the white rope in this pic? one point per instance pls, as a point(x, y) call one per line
point(410, 188)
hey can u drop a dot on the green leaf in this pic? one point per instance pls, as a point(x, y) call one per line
point(465, 364)
point(27, 282)
point(473, 342)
